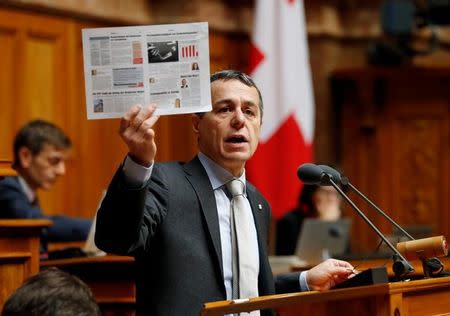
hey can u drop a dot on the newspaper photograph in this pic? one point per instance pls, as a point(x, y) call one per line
point(167, 65)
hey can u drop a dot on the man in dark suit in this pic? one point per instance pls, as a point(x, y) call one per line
point(175, 218)
point(40, 151)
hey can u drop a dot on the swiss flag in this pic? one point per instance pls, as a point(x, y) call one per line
point(279, 64)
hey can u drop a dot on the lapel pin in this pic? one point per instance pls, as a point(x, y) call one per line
point(259, 206)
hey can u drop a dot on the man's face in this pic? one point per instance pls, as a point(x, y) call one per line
point(42, 170)
point(229, 134)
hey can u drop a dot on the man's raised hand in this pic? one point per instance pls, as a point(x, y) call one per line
point(136, 130)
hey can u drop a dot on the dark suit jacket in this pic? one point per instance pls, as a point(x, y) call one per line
point(171, 226)
point(288, 230)
point(14, 204)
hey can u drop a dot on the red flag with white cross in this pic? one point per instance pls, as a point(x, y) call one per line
point(279, 64)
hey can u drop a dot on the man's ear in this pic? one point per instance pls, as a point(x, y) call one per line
point(25, 156)
point(195, 122)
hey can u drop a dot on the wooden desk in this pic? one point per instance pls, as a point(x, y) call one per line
point(110, 277)
point(421, 297)
point(19, 252)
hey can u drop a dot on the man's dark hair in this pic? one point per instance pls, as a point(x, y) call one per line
point(35, 134)
point(52, 292)
point(242, 77)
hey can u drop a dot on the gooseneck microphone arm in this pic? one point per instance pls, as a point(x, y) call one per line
point(432, 266)
point(324, 175)
point(378, 209)
point(408, 267)
point(334, 174)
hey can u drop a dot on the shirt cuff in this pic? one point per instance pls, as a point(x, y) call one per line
point(135, 174)
point(303, 284)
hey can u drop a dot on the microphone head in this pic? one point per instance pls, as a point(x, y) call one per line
point(310, 173)
point(332, 173)
point(424, 248)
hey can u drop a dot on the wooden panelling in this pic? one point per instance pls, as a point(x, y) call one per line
point(19, 253)
point(395, 126)
point(35, 53)
point(14, 269)
point(9, 75)
point(5, 168)
point(42, 76)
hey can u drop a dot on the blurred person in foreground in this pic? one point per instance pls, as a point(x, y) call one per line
point(52, 292)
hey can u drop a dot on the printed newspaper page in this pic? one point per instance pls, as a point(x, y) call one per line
point(163, 64)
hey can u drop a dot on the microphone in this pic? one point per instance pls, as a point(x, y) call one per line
point(314, 174)
point(310, 173)
point(332, 173)
point(427, 250)
point(424, 248)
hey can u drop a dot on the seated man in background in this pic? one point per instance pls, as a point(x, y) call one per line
point(322, 202)
point(40, 151)
point(52, 292)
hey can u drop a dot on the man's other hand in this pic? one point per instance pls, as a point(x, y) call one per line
point(328, 274)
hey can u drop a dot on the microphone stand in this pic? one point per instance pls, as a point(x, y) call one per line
point(401, 266)
point(431, 266)
point(346, 182)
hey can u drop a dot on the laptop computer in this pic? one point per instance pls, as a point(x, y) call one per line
point(320, 240)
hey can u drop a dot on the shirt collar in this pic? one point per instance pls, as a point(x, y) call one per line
point(218, 176)
point(30, 194)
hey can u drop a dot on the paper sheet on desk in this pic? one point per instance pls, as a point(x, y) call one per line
point(163, 64)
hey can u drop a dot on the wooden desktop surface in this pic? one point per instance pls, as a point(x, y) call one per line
point(417, 298)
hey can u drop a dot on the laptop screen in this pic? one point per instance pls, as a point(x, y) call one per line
point(320, 240)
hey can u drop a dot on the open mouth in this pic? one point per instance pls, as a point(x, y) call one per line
point(236, 139)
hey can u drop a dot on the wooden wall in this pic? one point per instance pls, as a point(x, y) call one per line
point(42, 77)
point(394, 142)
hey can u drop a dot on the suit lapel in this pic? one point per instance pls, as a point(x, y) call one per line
point(199, 180)
point(197, 176)
point(258, 215)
